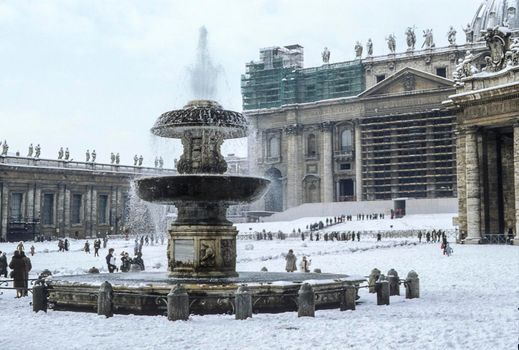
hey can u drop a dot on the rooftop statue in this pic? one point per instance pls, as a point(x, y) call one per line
point(29, 154)
point(326, 55)
point(451, 36)
point(94, 156)
point(87, 156)
point(369, 47)
point(410, 38)
point(469, 34)
point(429, 41)
point(112, 157)
point(358, 50)
point(67, 154)
point(37, 151)
point(117, 158)
point(391, 43)
point(5, 148)
point(60, 153)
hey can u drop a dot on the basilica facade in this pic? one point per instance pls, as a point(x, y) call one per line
point(373, 128)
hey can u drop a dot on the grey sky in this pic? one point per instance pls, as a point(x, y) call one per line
point(97, 74)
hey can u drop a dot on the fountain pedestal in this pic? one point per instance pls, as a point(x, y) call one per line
point(202, 251)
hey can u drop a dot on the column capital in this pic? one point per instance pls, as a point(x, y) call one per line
point(326, 126)
point(293, 129)
point(471, 129)
point(515, 122)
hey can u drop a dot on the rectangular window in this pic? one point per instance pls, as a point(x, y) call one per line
point(76, 207)
point(380, 77)
point(441, 71)
point(102, 209)
point(15, 207)
point(48, 209)
point(345, 166)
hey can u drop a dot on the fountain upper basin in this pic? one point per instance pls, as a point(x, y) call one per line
point(201, 188)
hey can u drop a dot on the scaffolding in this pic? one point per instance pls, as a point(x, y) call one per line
point(279, 79)
point(409, 155)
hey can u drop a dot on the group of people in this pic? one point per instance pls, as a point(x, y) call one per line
point(291, 262)
point(63, 245)
point(332, 236)
point(433, 236)
point(20, 266)
point(127, 264)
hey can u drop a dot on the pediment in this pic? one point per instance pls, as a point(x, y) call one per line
point(408, 80)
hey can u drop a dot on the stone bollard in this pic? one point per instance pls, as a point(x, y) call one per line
point(178, 304)
point(347, 298)
point(105, 300)
point(394, 282)
point(382, 288)
point(39, 296)
point(412, 285)
point(306, 301)
point(373, 278)
point(243, 303)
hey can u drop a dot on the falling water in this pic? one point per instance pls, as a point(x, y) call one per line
point(204, 73)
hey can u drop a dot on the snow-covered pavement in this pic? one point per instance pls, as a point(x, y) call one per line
point(468, 301)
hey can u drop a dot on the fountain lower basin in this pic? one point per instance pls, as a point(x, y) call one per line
point(145, 292)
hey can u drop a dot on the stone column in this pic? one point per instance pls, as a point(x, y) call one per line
point(460, 177)
point(516, 180)
point(473, 186)
point(492, 190)
point(30, 202)
point(326, 161)
point(294, 184)
point(358, 161)
point(5, 209)
point(66, 213)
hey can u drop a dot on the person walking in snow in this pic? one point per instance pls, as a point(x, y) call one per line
point(305, 264)
point(17, 265)
point(3, 264)
point(97, 246)
point(291, 261)
point(87, 247)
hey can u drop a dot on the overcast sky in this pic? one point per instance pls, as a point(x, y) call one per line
point(97, 74)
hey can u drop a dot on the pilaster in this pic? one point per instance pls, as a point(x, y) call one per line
point(5, 209)
point(326, 161)
point(516, 180)
point(358, 161)
point(294, 185)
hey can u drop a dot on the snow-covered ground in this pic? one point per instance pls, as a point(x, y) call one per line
point(468, 300)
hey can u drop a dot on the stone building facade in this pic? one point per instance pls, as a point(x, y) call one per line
point(393, 138)
point(57, 198)
point(487, 107)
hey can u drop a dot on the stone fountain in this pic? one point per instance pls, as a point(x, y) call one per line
point(202, 241)
point(201, 249)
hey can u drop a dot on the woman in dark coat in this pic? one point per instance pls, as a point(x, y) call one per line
point(17, 265)
point(28, 267)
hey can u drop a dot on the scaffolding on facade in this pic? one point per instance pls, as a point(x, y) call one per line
point(408, 155)
point(279, 79)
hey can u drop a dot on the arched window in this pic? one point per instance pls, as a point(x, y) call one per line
point(310, 145)
point(273, 147)
point(346, 140)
